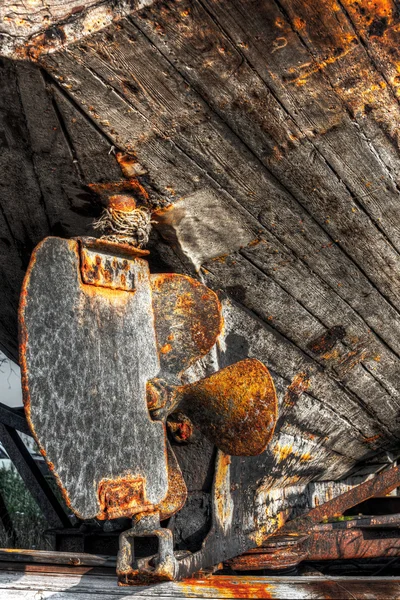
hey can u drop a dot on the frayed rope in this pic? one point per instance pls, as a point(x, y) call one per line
point(127, 227)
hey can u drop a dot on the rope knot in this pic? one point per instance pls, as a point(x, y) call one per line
point(125, 227)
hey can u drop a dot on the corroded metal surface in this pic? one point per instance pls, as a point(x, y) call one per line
point(78, 343)
point(383, 483)
point(180, 427)
point(112, 248)
point(359, 538)
point(188, 320)
point(356, 543)
point(236, 407)
point(177, 490)
point(164, 567)
point(278, 552)
point(107, 271)
point(103, 349)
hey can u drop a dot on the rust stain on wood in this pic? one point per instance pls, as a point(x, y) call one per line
point(327, 340)
point(300, 384)
point(226, 587)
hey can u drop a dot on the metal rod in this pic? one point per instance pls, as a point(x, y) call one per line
point(11, 418)
point(33, 478)
point(383, 483)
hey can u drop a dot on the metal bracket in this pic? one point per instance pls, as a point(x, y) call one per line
point(164, 565)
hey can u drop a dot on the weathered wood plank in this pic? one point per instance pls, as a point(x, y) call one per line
point(191, 34)
point(336, 74)
point(16, 585)
point(273, 305)
point(292, 274)
point(259, 31)
point(108, 60)
point(340, 60)
point(56, 558)
point(366, 81)
point(244, 102)
point(92, 150)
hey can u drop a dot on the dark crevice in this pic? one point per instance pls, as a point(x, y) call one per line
point(67, 138)
point(42, 199)
point(7, 223)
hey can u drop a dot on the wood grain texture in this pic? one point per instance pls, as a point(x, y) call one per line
point(43, 187)
point(27, 30)
point(16, 584)
point(283, 114)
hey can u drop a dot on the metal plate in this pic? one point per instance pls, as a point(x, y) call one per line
point(87, 352)
point(188, 320)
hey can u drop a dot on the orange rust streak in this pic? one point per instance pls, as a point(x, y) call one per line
point(332, 355)
point(283, 452)
point(117, 187)
point(222, 586)
point(306, 457)
point(373, 438)
point(113, 296)
point(301, 79)
point(299, 385)
point(222, 498)
point(121, 202)
point(130, 165)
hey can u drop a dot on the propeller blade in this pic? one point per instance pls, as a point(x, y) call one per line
point(235, 408)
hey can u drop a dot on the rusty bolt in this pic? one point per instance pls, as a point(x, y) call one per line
point(180, 427)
